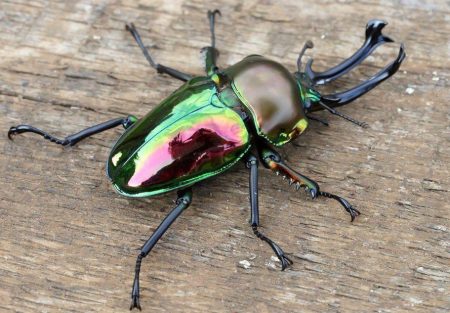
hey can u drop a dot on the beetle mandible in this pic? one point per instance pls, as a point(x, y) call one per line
point(211, 122)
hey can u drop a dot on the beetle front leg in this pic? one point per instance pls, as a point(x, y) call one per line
point(273, 161)
point(210, 52)
point(252, 164)
point(183, 202)
point(75, 138)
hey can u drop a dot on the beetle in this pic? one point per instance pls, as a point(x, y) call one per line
point(214, 121)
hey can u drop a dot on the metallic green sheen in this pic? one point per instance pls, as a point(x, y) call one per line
point(192, 135)
point(271, 94)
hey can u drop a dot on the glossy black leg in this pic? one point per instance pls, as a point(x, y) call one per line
point(73, 139)
point(182, 203)
point(211, 53)
point(374, 38)
point(252, 164)
point(272, 160)
point(347, 206)
point(158, 67)
point(308, 45)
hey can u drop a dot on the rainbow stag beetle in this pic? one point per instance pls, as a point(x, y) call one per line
point(212, 122)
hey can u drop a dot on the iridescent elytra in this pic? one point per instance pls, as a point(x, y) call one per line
point(212, 122)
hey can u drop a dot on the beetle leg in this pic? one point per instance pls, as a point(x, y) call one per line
point(374, 38)
point(211, 53)
point(73, 139)
point(183, 202)
point(273, 161)
point(252, 164)
point(212, 20)
point(347, 206)
point(308, 45)
point(158, 67)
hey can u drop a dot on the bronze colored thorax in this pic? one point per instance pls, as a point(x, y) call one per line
point(271, 94)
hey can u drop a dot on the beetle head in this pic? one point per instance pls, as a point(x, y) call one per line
point(308, 95)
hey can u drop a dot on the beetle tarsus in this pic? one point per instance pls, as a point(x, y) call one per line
point(252, 164)
point(212, 21)
point(135, 292)
point(347, 206)
point(273, 161)
point(158, 67)
point(30, 129)
point(211, 53)
point(284, 260)
point(74, 138)
point(135, 303)
point(308, 45)
point(12, 131)
point(183, 201)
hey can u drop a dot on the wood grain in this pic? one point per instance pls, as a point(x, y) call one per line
point(68, 242)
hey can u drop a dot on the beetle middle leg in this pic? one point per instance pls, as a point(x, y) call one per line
point(183, 202)
point(211, 53)
point(273, 161)
point(158, 67)
point(74, 138)
point(252, 164)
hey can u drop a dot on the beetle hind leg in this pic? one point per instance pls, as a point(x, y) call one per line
point(252, 164)
point(182, 203)
point(284, 260)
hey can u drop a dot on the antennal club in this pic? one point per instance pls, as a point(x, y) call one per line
point(308, 45)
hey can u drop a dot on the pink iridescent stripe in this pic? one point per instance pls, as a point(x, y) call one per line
point(159, 155)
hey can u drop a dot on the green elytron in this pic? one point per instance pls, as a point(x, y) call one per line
point(210, 123)
point(190, 136)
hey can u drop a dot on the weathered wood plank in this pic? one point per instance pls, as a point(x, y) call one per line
point(68, 241)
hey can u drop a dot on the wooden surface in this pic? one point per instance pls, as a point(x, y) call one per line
point(68, 242)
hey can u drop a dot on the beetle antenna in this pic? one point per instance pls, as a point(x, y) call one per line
point(308, 45)
point(321, 121)
point(348, 118)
